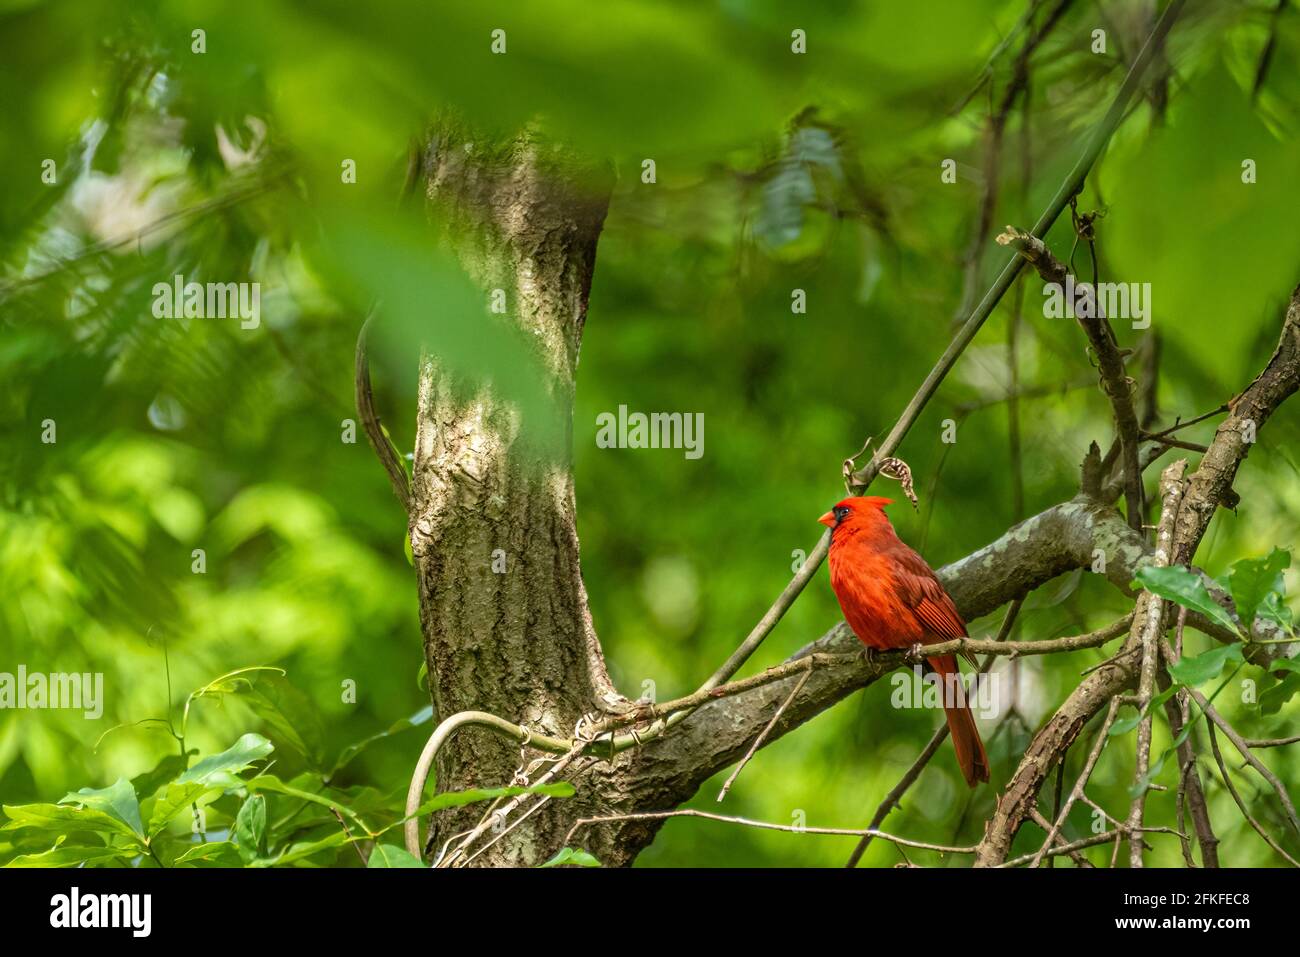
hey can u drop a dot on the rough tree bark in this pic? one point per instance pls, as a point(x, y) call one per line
point(525, 219)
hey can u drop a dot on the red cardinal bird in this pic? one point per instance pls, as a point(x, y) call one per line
point(891, 599)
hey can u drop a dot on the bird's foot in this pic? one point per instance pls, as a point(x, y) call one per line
point(914, 654)
point(869, 656)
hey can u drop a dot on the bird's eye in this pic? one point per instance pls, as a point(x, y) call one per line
point(841, 512)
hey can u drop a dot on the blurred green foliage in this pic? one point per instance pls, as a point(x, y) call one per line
point(176, 436)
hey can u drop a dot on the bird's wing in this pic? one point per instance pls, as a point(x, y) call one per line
point(920, 590)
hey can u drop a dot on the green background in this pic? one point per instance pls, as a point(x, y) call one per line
point(175, 436)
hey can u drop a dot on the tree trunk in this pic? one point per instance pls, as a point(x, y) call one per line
point(502, 605)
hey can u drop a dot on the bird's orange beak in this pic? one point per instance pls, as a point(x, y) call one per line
point(828, 519)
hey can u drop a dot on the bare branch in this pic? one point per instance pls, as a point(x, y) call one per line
point(1190, 792)
point(1241, 805)
point(758, 742)
point(1240, 743)
point(1110, 363)
point(1148, 626)
point(1080, 783)
point(765, 825)
point(379, 440)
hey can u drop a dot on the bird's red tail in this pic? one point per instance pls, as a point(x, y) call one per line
point(971, 757)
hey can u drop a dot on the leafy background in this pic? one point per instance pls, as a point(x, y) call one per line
point(174, 436)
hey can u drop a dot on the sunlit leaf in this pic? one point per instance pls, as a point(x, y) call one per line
point(390, 855)
point(118, 801)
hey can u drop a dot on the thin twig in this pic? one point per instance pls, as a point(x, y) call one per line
point(1184, 423)
point(1037, 817)
point(1080, 783)
point(764, 825)
point(1175, 443)
point(388, 455)
point(1241, 805)
point(355, 846)
point(1191, 794)
point(1240, 743)
point(1114, 835)
point(758, 741)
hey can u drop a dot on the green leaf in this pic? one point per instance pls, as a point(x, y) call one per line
point(250, 828)
point(269, 782)
point(1205, 666)
point(1272, 609)
point(118, 801)
point(288, 713)
point(1271, 701)
point(572, 857)
point(73, 855)
point(233, 682)
point(238, 757)
point(1182, 585)
point(1124, 726)
point(213, 774)
point(61, 819)
point(213, 853)
point(297, 852)
point(1252, 580)
point(390, 855)
point(176, 798)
